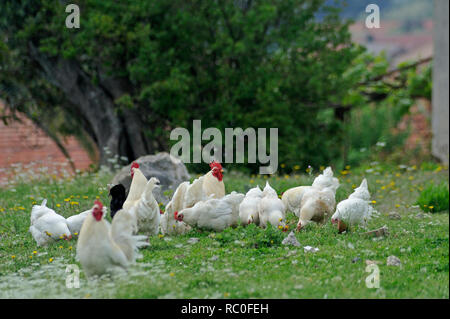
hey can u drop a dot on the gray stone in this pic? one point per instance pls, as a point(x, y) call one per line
point(356, 259)
point(393, 261)
point(291, 240)
point(169, 170)
point(193, 240)
point(394, 215)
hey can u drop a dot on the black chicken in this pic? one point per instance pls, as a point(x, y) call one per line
point(118, 197)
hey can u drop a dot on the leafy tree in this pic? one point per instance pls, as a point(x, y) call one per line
point(137, 69)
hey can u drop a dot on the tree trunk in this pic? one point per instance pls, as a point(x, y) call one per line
point(95, 104)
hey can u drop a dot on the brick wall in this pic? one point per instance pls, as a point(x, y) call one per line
point(23, 142)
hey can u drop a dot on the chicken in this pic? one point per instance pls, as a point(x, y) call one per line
point(169, 225)
point(47, 226)
point(206, 186)
point(292, 198)
point(213, 214)
point(248, 209)
point(271, 209)
point(103, 248)
point(138, 183)
point(355, 210)
point(146, 210)
point(317, 204)
point(76, 221)
point(118, 197)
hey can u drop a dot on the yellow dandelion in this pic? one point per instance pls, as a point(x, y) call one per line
point(60, 247)
point(160, 236)
point(227, 294)
point(33, 202)
point(374, 202)
point(411, 178)
point(398, 174)
point(397, 205)
point(74, 203)
point(31, 257)
point(171, 274)
point(347, 167)
point(58, 205)
point(296, 167)
point(67, 199)
point(383, 187)
point(252, 181)
point(85, 197)
point(34, 252)
point(283, 165)
point(430, 207)
point(70, 248)
point(322, 167)
point(50, 260)
point(76, 234)
point(13, 256)
point(97, 197)
point(286, 176)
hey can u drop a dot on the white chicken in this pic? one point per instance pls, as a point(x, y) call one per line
point(103, 248)
point(47, 226)
point(248, 209)
point(138, 183)
point(207, 186)
point(355, 210)
point(169, 225)
point(145, 210)
point(213, 214)
point(271, 209)
point(292, 198)
point(317, 204)
point(76, 221)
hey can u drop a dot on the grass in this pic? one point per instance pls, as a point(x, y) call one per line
point(241, 262)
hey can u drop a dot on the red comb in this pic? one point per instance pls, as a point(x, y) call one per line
point(215, 164)
point(175, 215)
point(99, 203)
point(134, 165)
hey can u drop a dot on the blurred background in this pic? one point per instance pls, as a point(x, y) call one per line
point(340, 93)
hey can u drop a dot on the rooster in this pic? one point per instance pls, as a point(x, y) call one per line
point(355, 210)
point(271, 209)
point(207, 186)
point(213, 214)
point(102, 247)
point(248, 209)
point(292, 198)
point(169, 225)
point(47, 226)
point(146, 210)
point(138, 183)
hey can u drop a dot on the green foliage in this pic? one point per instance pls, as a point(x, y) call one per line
point(257, 64)
point(434, 198)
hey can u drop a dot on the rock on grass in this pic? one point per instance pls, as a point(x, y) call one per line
point(393, 261)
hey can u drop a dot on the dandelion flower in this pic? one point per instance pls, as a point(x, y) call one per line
point(374, 202)
point(50, 260)
point(13, 256)
point(58, 205)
